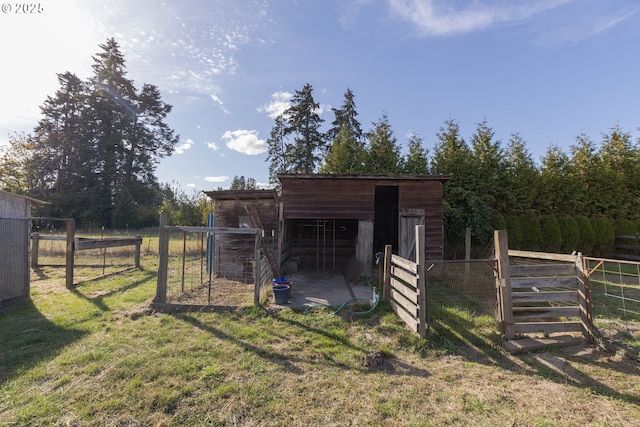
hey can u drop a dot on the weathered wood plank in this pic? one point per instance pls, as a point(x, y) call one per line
point(521, 314)
point(547, 327)
point(403, 275)
point(543, 270)
point(542, 255)
point(408, 305)
point(532, 344)
point(411, 322)
point(84, 243)
point(409, 293)
point(547, 296)
point(404, 263)
point(544, 282)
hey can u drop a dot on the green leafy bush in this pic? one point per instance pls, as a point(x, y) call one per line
point(587, 235)
point(604, 236)
point(551, 235)
point(570, 234)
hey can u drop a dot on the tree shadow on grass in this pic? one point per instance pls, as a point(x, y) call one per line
point(28, 338)
point(98, 299)
point(558, 365)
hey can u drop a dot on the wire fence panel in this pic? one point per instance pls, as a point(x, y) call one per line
point(208, 272)
point(615, 299)
point(468, 284)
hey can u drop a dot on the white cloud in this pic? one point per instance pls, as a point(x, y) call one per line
point(435, 18)
point(245, 141)
point(183, 146)
point(213, 146)
point(280, 101)
point(221, 178)
point(220, 103)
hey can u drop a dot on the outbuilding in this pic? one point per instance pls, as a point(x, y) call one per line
point(15, 227)
point(324, 222)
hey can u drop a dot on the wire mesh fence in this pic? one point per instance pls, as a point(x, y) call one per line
point(467, 284)
point(204, 270)
point(615, 300)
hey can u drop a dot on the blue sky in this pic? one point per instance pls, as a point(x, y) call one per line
point(547, 69)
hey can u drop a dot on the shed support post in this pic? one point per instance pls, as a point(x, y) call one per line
point(257, 270)
point(386, 286)
point(137, 254)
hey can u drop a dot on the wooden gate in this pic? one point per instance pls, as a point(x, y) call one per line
point(546, 294)
point(409, 219)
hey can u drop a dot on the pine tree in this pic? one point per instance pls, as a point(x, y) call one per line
point(384, 153)
point(416, 161)
point(346, 115)
point(346, 155)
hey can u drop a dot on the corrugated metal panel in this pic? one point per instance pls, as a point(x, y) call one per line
point(14, 260)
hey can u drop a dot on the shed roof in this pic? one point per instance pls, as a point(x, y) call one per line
point(242, 194)
point(441, 178)
point(36, 202)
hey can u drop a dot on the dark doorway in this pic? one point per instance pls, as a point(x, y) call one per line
point(385, 220)
point(321, 244)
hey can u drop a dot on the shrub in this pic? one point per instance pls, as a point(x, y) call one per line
point(604, 236)
point(531, 232)
point(498, 222)
point(587, 236)
point(551, 235)
point(570, 234)
point(624, 226)
point(514, 232)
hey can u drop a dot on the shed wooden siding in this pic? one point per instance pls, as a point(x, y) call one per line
point(353, 197)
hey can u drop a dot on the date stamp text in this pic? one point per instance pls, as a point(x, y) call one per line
point(22, 8)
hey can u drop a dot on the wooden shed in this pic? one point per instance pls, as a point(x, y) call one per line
point(329, 219)
point(15, 226)
point(234, 253)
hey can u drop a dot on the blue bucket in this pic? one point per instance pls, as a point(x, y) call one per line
point(281, 293)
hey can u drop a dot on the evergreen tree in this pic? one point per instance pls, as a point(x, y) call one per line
point(416, 161)
point(296, 143)
point(383, 153)
point(97, 145)
point(347, 154)
point(489, 169)
point(522, 177)
point(346, 115)
point(240, 183)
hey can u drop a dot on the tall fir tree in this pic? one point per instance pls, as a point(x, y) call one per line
point(383, 152)
point(416, 161)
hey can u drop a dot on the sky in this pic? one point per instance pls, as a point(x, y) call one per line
point(548, 70)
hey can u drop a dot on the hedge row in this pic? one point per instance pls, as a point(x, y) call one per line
point(549, 233)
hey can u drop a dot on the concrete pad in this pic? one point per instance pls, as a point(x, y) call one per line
point(309, 288)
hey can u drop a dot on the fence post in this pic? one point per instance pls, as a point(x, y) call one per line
point(585, 298)
point(163, 261)
point(503, 283)
point(467, 253)
point(70, 252)
point(422, 288)
point(35, 247)
point(137, 254)
point(386, 285)
point(256, 270)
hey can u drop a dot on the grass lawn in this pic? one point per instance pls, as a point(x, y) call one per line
point(98, 355)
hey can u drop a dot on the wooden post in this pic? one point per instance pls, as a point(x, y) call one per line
point(136, 259)
point(422, 288)
point(503, 283)
point(585, 298)
point(386, 284)
point(70, 252)
point(35, 245)
point(256, 271)
point(163, 261)
point(467, 253)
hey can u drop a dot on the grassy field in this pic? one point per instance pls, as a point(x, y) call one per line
point(99, 355)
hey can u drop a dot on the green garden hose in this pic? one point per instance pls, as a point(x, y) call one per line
point(347, 302)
